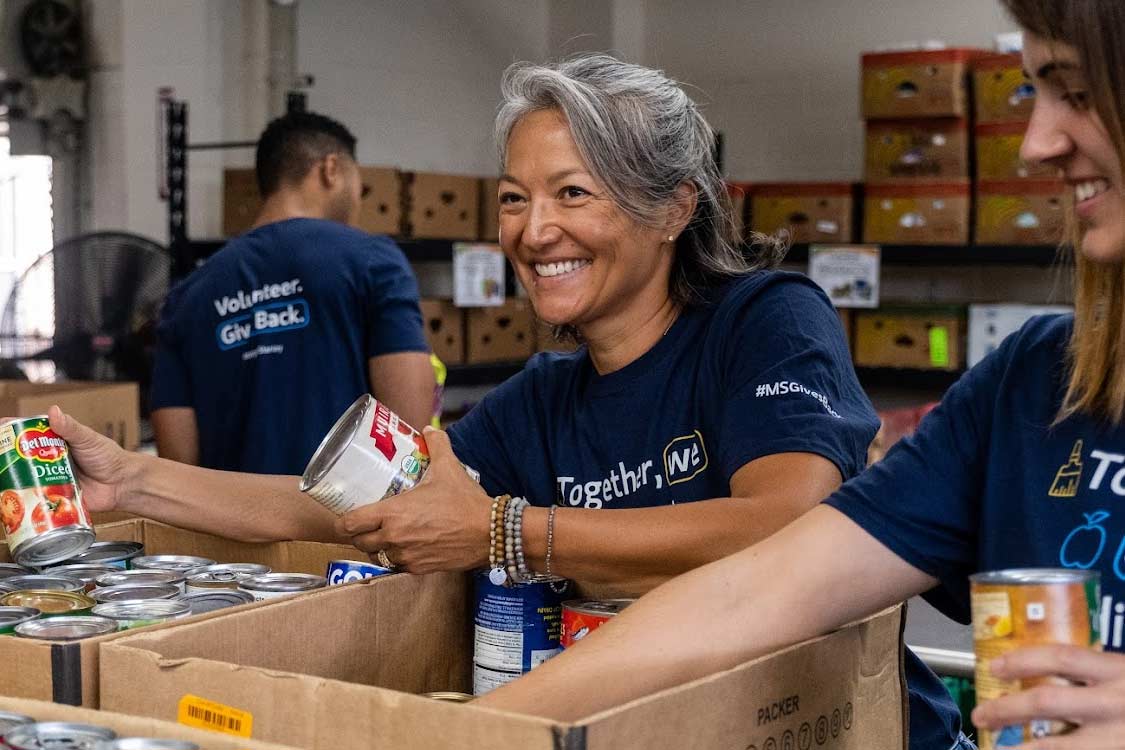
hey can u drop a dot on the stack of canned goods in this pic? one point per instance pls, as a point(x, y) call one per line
point(19, 732)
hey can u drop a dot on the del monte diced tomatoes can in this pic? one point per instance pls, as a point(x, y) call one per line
point(41, 507)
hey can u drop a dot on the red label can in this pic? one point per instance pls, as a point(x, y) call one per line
point(583, 616)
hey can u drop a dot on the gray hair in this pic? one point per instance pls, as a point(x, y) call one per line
point(642, 137)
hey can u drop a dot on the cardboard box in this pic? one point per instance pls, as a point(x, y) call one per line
point(810, 211)
point(113, 409)
point(929, 83)
point(489, 209)
point(381, 211)
point(241, 201)
point(355, 653)
point(499, 334)
point(132, 726)
point(998, 153)
point(1020, 213)
point(921, 214)
point(445, 329)
point(1000, 91)
point(989, 325)
point(68, 672)
point(909, 150)
point(910, 338)
point(442, 206)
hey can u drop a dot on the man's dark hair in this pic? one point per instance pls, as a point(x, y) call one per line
point(293, 143)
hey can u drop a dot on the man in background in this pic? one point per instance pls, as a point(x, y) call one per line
point(265, 345)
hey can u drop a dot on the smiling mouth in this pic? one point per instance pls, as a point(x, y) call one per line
point(550, 270)
point(1084, 191)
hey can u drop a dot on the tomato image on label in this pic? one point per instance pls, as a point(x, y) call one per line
point(11, 510)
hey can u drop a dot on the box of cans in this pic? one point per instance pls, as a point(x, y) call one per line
point(397, 655)
point(138, 573)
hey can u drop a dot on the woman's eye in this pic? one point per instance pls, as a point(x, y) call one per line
point(510, 198)
point(573, 191)
point(1077, 99)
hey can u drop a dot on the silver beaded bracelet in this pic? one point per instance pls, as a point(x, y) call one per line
point(550, 535)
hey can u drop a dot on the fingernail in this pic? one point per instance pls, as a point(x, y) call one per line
point(427, 430)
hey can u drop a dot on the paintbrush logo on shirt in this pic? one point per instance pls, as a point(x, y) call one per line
point(1069, 475)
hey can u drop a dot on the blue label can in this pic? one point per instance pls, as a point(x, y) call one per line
point(517, 627)
point(346, 571)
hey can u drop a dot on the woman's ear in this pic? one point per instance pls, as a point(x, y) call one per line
point(682, 208)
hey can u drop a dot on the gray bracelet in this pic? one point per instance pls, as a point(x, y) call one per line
point(550, 535)
point(521, 562)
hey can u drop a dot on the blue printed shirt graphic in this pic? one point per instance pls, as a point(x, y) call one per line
point(269, 340)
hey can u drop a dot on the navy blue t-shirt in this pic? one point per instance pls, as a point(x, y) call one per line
point(763, 370)
point(269, 340)
point(989, 481)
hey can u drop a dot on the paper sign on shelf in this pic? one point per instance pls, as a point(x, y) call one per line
point(848, 274)
point(478, 275)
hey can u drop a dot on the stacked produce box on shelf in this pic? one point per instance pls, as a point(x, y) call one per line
point(1017, 203)
point(918, 151)
point(812, 212)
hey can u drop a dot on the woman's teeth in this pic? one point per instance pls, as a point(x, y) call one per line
point(557, 269)
point(1084, 191)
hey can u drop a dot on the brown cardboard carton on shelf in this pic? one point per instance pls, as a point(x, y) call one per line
point(1000, 90)
point(739, 193)
point(998, 153)
point(445, 329)
point(241, 201)
point(380, 212)
point(918, 214)
point(113, 409)
point(233, 737)
point(68, 672)
point(927, 83)
point(927, 338)
point(1026, 212)
point(499, 334)
point(489, 209)
point(911, 150)
point(809, 211)
point(357, 651)
point(442, 206)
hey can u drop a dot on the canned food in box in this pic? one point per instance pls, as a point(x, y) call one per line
point(221, 576)
point(209, 601)
point(583, 616)
point(117, 554)
point(138, 614)
point(141, 578)
point(57, 734)
point(42, 583)
point(346, 571)
point(274, 585)
point(9, 721)
point(7, 570)
point(1017, 608)
point(147, 743)
point(449, 696)
point(10, 617)
point(66, 628)
point(175, 563)
point(41, 507)
point(50, 603)
point(87, 573)
point(135, 592)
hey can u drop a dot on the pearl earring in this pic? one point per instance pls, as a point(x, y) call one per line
point(671, 238)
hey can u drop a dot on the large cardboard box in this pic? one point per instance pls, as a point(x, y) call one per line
point(989, 325)
point(928, 83)
point(1020, 213)
point(338, 667)
point(998, 153)
point(445, 329)
point(241, 200)
point(381, 211)
point(132, 726)
point(113, 409)
point(499, 334)
point(809, 211)
point(920, 214)
point(1000, 90)
point(898, 150)
point(489, 209)
point(923, 338)
point(442, 206)
point(68, 672)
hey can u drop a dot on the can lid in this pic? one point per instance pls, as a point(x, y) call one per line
point(448, 695)
point(139, 610)
point(135, 593)
point(85, 572)
point(66, 628)
point(209, 601)
point(176, 563)
point(598, 606)
point(9, 719)
point(44, 582)
point(108, 551)
point(67, 734)
point(7, 570)
point(284, 582)
point(48, 602)
point(138, 577)
point(1034, 576)
point(147, 743)
point(10, 616)
point(226, 572)
point(55, 546)
point(334, 443)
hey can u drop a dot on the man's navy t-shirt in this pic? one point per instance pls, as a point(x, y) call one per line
point(991, 481)
point(763, 370)
point(269, 340)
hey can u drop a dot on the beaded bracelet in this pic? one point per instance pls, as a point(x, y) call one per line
point(510, 540)
point(550, 535)
point(496, 573)
point(521, 561)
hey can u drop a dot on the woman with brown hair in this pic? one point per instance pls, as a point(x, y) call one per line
point(1022, 465)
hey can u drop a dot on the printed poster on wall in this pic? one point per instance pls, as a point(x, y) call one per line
point(848, 274)
point(478, 275)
